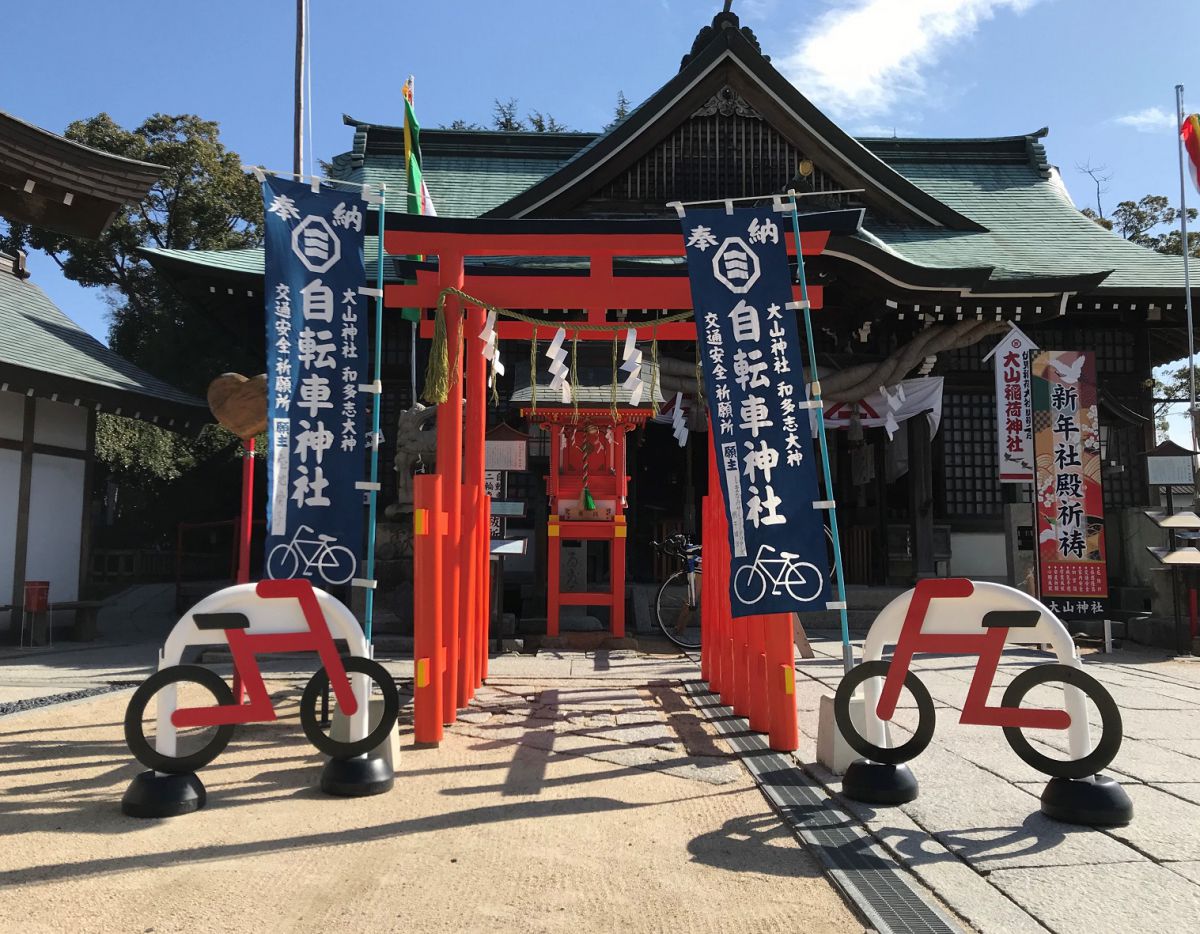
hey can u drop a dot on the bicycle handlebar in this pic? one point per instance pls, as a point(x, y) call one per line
point(677, 546)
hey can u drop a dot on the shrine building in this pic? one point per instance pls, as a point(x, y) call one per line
point(960, 238)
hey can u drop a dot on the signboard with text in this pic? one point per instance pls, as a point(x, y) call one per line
point(757, 395)
point(1014, 418)
point(316, 359)
point(1069, 498)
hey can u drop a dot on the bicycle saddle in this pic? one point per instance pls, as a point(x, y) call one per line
point(327, 538)
point(788, 555)
point(221, 621)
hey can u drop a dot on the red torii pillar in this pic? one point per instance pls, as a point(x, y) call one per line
point(476, 523)
point(429, 650)
point(750, 662)
point(449, 447)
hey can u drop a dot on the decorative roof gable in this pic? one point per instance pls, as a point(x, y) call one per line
point(727, 102)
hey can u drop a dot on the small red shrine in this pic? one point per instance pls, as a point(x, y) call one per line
point(587, 486)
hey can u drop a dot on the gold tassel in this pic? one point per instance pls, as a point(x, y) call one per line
point(575, 376)
point(437, 372)
point(613, 397)
point(533, 374)
point(654, 368)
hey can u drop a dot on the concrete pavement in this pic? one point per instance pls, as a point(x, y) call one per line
point(975, 837)
point(975, 834)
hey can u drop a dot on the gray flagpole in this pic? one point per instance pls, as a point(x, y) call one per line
point(1187, 274)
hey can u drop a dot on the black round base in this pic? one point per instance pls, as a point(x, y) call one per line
point(153, 794)
point(1097, 801)
point(876, 783)
point(357, 778)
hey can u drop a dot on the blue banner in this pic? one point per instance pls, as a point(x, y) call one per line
point(758, 403)
point(316, 359)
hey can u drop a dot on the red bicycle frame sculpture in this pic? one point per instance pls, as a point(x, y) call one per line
point(245, 648)
point(988, 645)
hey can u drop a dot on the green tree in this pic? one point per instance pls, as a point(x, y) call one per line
point(204, 201)
point(1137, 222)
point(621, 111)
point(504, 115)
point(545, 123)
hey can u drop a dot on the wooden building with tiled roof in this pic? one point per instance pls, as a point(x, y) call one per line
point(55, 377)
point(954, 231)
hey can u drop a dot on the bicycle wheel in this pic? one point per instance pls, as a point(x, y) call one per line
point(889, 755)
point(803, 581)
point(194, 748)
point(347, 749)
point(337, 565)
point(1111, 729)
point(749, 583)
point(282, 563)
point(678, 619)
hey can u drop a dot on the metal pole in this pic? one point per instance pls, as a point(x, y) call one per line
point(376, 413)
point(1187, 277)
point(847, 648)
point(298, 117)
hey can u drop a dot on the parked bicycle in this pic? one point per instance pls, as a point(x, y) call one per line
point(677, 608)
point(353, 679)
point(956, 630)
point(333, 563)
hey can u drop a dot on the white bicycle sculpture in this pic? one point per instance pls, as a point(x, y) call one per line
point(802, 581)
point(333, 563)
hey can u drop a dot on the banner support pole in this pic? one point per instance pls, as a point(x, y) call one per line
point(376, 413)
point(1187, 276)
point(847, 648)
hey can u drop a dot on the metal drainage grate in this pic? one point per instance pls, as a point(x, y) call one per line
point(858, 865)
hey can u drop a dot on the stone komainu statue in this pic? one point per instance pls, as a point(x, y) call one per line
point(416, 443)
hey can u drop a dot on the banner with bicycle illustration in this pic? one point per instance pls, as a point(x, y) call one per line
point(316, 359)
point(758, 401)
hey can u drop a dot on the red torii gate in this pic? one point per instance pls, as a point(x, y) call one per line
point(452, 514)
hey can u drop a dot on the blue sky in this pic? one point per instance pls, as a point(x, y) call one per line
point(1099, 73)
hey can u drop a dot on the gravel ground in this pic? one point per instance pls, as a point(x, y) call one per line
point(553, 806)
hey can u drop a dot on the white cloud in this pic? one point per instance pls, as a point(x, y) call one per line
point(863, 58)
point(1148, 120)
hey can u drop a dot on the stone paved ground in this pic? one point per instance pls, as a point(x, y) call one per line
point(975, 834)
point(584, 796)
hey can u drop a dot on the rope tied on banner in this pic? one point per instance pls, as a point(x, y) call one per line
point(438, 374)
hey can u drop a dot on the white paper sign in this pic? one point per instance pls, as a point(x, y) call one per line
point(1014, 409)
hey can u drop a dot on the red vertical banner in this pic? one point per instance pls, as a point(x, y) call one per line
point(1069, 502)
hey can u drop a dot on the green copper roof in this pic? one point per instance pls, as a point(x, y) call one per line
point(40, 338)
point(1033, 229)
point(1004, 221)
point(468, 172)
point(241, 262)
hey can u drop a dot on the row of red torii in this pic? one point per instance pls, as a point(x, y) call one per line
point(748, 662)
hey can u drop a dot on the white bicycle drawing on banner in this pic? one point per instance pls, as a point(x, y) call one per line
point(802, 581)
point(333, 563)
